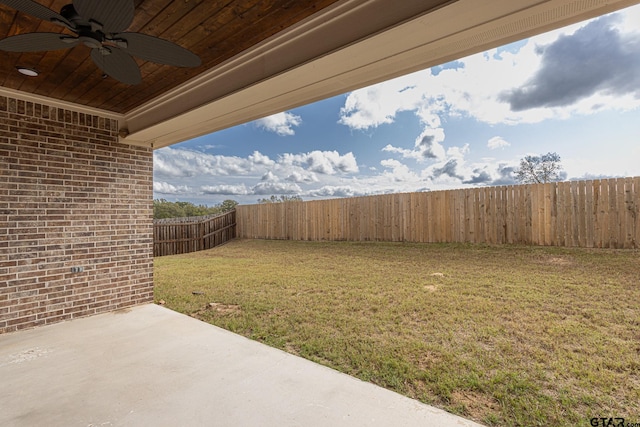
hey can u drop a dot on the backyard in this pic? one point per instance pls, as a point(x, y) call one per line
point(504, 335)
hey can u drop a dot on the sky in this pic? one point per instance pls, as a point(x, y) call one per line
point(468, 123)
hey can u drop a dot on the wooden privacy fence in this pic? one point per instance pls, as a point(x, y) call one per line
point(181, 235)
point(598, 213)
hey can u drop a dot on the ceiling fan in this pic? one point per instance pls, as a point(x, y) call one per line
point(100, 25)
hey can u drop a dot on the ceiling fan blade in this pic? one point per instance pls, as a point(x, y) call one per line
point(117, 64)
point(36, 9)
point(36, 42)
point(114, 15)
point(158, 50)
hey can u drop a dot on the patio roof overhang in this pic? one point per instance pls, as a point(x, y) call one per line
point(345, 45)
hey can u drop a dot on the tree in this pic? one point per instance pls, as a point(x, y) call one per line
point(539, 169)
point(165, 209)
point(281, 199)
point(228, 205)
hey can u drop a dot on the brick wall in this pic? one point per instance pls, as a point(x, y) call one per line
point(70, 196)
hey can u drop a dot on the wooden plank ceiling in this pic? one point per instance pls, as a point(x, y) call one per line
point(213, 30)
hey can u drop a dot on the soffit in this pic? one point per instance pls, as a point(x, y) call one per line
point(214, 30)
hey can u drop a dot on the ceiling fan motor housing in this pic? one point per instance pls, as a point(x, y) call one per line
point(70, 14)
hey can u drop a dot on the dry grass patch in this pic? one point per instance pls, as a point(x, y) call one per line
point(506, 335)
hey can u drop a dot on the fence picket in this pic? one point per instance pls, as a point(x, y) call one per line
point(613, 214)
point(589, 215)
point(621, 211)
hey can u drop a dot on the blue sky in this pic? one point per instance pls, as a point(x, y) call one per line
point(574, 91)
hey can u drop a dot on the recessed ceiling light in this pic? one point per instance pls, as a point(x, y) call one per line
point(31, 72)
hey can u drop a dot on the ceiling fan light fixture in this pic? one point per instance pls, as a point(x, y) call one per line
point(31, 72)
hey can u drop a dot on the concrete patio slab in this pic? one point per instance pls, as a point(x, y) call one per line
point(150, 366)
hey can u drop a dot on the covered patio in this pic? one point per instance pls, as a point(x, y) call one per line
point(81, 342)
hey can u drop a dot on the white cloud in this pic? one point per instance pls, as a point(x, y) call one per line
point(166, 188)
point(330, 162)
point(497, 142)
point(281, 123)
point(269, 177)
point(177, 162)
point(378, 104)
point(323, 162)
point(456, 170)
point(335, 191)
point(257, 158)
point(302, 176)
point(427, 146)
point(256, 174)
point(398, 172)
point(210, 147)
point(270, 187)
point(458, 152)
point(487, 85)
point(239, 189)
point(319, 162)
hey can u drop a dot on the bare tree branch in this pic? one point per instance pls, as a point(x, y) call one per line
point(539, 169)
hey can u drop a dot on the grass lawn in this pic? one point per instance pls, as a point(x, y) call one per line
point(504, 335)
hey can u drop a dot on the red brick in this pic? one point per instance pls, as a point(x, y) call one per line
point(71, 196)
